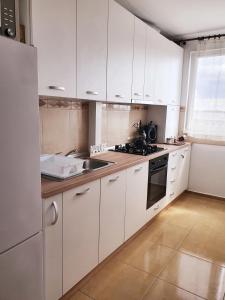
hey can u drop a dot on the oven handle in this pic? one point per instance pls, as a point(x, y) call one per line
point(158, 169)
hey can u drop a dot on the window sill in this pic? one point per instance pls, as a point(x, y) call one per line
point(205, 141)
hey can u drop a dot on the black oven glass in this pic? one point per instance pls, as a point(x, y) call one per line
point(157, 179)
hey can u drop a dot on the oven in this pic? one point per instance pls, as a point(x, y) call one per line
point(8, 18)
point(157, 179)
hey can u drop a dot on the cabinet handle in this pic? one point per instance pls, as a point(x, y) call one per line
point(147, 95)
point(119, 96)
point(82, 193)
point(138, 169)
point(186, 150)
point(56, 213)
point(137, 94)
point(114, 179)
point(172, 194)
point(56, 88)
point(160, 101)
point(175, 154)
point(173, 168)
point(182, 155)
point(156, 208)
point(92, 93)
point(172, 181)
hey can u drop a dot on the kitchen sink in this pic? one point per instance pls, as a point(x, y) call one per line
point(92, 164)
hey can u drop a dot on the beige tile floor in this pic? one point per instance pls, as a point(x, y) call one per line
point(179, 256)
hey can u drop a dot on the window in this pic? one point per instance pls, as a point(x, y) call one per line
point(206, 95)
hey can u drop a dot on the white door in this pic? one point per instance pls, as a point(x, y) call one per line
point(54, 35)
point(120, 53)
point(21, 271)
point(80, 232)
point(139, 60)
point(52, 218)
point(92, 23)
point(172, 121)
point(136, 198)
point(112, 213)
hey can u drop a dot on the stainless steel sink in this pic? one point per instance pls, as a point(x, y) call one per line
point(92, 164)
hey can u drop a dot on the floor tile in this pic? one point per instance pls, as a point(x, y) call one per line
point(162, 290)
point(165, 234)
point(78, 296)
point(117, 281)
point(207, 242)
point(197, 276)
point(147, 257)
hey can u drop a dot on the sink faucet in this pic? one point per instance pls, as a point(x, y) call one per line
point(73, 151)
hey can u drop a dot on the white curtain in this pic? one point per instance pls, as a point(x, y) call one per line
point(205, 114)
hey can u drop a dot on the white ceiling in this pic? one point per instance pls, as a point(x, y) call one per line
point(181, 18)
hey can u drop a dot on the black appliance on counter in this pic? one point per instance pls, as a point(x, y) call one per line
point(8, 18)
point(157, 179)
point(149, 131)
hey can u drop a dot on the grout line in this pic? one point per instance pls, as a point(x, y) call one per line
point(86, 294)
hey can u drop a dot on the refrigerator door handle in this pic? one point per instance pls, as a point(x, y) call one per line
point(56, 213)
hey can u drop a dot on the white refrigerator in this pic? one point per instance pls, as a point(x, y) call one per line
point(21, 241)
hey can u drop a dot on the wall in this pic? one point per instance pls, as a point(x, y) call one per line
point(207, 169)
point(118, 121)
point(63, 125)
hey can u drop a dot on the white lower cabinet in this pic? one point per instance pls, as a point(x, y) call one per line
point(136, 198)
point(183, 171)
point(112, 213)
point(80, 232)
point(53, 247)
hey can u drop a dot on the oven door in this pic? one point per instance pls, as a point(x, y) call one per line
point(156, 185)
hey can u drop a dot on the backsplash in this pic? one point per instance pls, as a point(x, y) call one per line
point(63, 125)
point(118, 120)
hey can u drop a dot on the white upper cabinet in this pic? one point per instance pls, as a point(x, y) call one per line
point(120, 53)
point(140, 29)
point(175, 78)
point(54, 35)
point(172, 121)
point(92, 21)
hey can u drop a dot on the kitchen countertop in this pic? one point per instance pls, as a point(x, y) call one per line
point(122, 162)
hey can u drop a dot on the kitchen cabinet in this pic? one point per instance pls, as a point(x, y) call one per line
point(136, 198)
point(175, 73)
point(120, 53)
point(172, 121)
point(183, 171)
point(80, 232)
point(52, 217)
point(156, 208)
point(92, 21)
point(112, 213)
point(54, 35)
point(140, 30)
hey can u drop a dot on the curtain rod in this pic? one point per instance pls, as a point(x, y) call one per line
point(201, 38)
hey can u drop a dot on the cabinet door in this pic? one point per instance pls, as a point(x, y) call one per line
point(175, 78)
point(120, 53)
point(150, 66)
point(183, 172)
point(136, 199)
point(92, 22)
point(52, 217)
point(54, 35)
point(172, 176)
point(80, 232)
point(139, 60)
point(172, 121)
point(112, 213)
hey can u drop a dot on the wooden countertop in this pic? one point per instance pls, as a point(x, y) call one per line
point(122, 161)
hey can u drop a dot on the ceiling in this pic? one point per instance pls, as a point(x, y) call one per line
point(181, 18)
